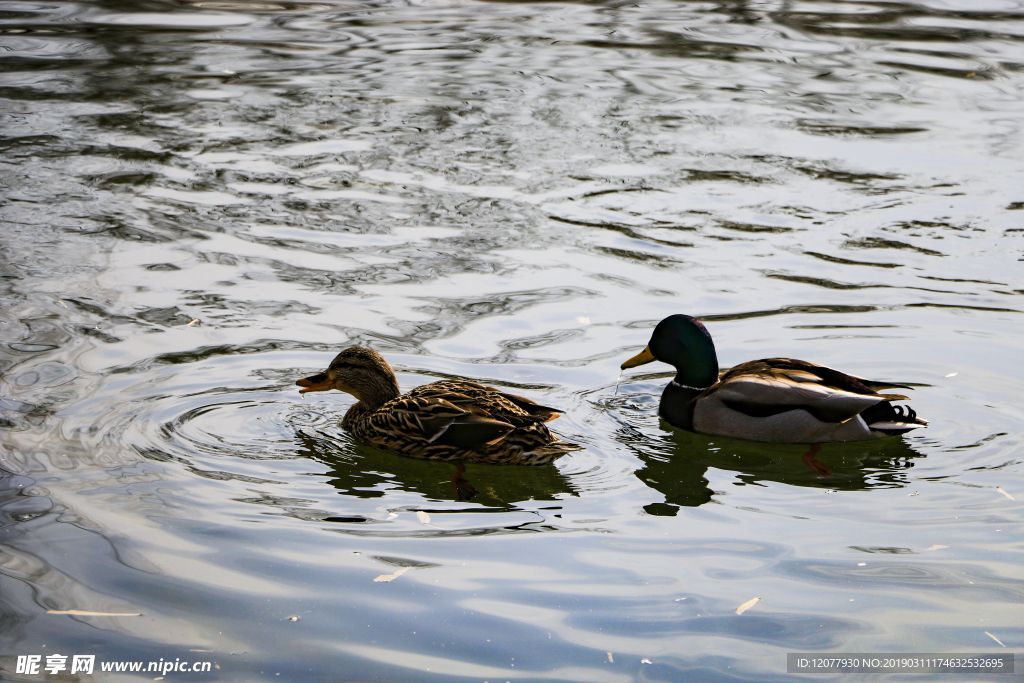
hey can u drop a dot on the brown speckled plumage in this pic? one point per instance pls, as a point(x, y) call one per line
point(456, 421)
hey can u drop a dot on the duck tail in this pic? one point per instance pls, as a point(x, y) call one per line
point(875, 385)
point(543, 454)
point(890, 420)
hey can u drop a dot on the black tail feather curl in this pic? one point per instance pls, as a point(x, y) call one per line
point(885, 412)
point(908, 416)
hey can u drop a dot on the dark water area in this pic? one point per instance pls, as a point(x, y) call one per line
point(204, 201)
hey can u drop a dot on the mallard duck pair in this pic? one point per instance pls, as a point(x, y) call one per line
point(779, 400)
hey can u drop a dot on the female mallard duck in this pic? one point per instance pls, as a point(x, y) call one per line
point(455, 420)
point(778, 400)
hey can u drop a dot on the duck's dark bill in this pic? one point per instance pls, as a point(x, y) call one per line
point(641, 358)
point(315, 383)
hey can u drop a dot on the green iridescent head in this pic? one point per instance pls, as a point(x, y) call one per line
point(684, 343)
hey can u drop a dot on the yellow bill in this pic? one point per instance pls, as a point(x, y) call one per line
point(641, 358)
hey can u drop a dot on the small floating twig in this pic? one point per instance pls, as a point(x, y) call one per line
point(747, 605)
point(87, 613)
point(390, 577)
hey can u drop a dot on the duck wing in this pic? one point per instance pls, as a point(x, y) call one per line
point(770, 386)
point(531, 407)
point(435, 421)
point(482, 399)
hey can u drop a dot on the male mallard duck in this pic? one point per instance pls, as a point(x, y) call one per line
point(779, 400)
point(455, 420)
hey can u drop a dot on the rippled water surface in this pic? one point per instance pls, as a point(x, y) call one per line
point(206, 200)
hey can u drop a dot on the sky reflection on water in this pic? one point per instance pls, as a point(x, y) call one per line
point(205, 200)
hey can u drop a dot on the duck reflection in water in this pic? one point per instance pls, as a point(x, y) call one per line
point(773, 400)
point(357, 469)
point(456, 421)
point(676, 465)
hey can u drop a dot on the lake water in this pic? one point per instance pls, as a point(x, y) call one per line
point(205, 200)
